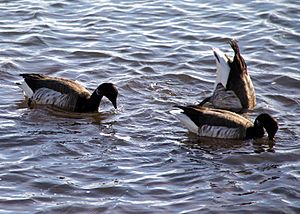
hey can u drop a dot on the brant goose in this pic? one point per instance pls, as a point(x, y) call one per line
point(217, 123)
point(64, 93)
point(233, 88)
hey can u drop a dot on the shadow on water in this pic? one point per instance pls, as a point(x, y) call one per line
point(57, 112)
point(47, 121)
point(214, 145)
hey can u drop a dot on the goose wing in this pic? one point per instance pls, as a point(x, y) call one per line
point(207, 122)
point(225, 99)
point(214, 117)
point(61, 85)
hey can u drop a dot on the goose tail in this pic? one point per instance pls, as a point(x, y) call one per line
point(184, 119)
point(26, 89)
point(223, 68)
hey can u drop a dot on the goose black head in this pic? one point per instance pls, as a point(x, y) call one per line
point(108, 90)
point(268, 122)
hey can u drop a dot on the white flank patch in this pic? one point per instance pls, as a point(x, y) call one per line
point(221, 132)
point(187, 122)
point(26, 89)
point(48, 96)
point(223, 68)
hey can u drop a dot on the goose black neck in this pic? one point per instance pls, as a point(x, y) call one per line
point(88, 104)
point(256, 131)
point(95, 100)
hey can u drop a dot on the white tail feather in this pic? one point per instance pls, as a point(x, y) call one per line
point(187, 122)
point(223, 68)
point(26, 89)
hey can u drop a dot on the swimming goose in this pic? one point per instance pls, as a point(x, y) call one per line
point(233, 89)
point(65, 94)
point(218, 123)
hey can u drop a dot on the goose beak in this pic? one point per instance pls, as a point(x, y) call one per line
point(271, 138)
point(114, 102)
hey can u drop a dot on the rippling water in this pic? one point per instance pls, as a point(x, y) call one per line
point(139, 159)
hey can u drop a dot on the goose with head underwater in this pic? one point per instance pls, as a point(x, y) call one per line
point(218, 123)
point(233, 89)
point(65, 94)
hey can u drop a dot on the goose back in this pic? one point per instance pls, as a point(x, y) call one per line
point(214, 122)
point(215, 117)
point(62, 85)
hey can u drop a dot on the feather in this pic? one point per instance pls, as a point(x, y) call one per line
point(185, 120)
point(66, 94)
point(26, 89)
point(225, 99)
point(222, 132)
point(223, 68)
point(46, 96)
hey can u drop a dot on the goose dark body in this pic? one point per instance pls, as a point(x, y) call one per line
point(66, 94)
point(225, 124)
